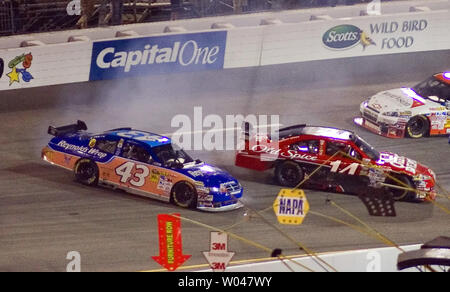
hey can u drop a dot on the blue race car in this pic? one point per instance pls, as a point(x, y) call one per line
point(142, 163)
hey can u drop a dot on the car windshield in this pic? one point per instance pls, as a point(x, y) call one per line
point(171, 154)
point(433, 89)
point(367, 148)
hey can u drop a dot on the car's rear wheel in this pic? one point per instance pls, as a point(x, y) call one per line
point(184, 195)
point(289, 174)
point(418, 127)
point(402, 194)
point(86, 172)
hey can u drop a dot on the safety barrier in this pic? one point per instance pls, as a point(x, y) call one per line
point(364, 260)
point(288, 37)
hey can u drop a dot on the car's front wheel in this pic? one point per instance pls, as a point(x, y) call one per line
point(404, 193)
point(289, 174)
point(86, 172)
point(418, 127)
point(184, 195)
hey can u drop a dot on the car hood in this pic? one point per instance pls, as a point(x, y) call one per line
point(210, 175)
point(401, 99)
point(403, 164)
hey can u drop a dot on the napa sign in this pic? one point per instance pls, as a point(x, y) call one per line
point(158, 55)
point(291, 206)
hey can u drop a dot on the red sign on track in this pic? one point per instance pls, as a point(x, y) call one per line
point(170, 242)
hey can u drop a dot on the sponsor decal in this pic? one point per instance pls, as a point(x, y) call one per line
point(196, 173)
point(376, 177)
point(67, 146)
point(290, 154)
point(96, 152)
point(92, 143)
point(163, 173)
point(165, 184)
point(377, 106)
point(119, 147)
point(398, 162)
point(405, 114)
point(440, 108)
point(158, 55)
point(204, 196)
point(438, 120)
point(70, 147)
point(19, 66)
point(199, 184)
point(387, 35)
point(67, 159)
point(346, 36)
point(417, 103)
point(406, 102)
point(154, 178)
point(398, 33)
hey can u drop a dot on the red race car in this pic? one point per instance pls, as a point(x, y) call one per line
point(337, 160)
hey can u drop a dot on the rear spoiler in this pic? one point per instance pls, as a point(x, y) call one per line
point(61, 131)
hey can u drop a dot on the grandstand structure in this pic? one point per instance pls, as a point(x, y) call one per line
point(31, 16)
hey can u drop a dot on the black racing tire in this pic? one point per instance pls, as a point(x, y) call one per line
point(289, 174)
point(402, 195)
point(86, 172)
point(184, 195)
point(418, 127)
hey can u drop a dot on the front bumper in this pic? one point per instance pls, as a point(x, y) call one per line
point(430, 197)
point(425, 196)
point(213, 201)
point(391, 127)
point(425, 188)
point(389, 131)
point(226, 208)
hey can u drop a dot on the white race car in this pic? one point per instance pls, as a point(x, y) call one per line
point(423, 110)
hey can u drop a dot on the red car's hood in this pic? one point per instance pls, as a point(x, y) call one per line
point(403, 164)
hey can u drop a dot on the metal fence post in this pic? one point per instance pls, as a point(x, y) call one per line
point(6, 18)
point(11, 10)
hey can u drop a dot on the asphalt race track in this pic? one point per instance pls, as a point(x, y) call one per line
point(44, 214)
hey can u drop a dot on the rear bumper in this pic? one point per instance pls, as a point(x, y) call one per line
point(254, 161)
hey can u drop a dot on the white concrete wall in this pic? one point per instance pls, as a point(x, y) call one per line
point(366, 260)
point(291, 38)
